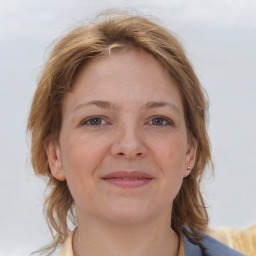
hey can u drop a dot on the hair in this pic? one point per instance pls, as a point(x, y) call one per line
point(115, 32)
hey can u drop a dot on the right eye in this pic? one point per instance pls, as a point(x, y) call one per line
point(94, 121)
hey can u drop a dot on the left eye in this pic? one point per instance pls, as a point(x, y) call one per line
point(94, 121)
point(160, 121)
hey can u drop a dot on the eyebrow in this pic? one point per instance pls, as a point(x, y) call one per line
point(98, 103)
point(109, 105)
point(158, 104)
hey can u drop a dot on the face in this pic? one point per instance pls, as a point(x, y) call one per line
point(123, 146)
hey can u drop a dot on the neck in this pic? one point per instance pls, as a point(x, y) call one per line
point(98, 238)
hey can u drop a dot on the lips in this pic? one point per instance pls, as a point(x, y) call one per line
point(126, 174)
point(127, 179)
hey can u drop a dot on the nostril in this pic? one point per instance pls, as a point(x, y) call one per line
point(125, 150)
point(127, 155)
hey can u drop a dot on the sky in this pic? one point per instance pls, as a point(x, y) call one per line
point(219, 37)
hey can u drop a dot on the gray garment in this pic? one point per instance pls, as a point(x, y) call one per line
point(213, 248)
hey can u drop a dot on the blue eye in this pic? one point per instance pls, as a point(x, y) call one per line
point(94, 121)
point(160, 121)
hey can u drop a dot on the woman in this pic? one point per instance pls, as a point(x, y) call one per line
point(118, 126)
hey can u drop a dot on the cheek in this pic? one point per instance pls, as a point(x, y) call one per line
point(171, 153)
point(82, 153)
point(170, 156)
point(80, 157)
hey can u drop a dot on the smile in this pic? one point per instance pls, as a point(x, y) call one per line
point(128, 179)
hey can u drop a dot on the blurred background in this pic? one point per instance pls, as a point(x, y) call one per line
point(219, 37)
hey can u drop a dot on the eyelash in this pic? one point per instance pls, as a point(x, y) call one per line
point(165, 120)
point(92, 118)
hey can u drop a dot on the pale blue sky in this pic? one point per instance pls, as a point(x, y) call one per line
point(220, 38)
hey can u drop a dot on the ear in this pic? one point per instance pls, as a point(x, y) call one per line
point(190, 156)
point(54, 159)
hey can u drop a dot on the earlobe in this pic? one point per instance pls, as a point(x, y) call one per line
point(190, 157)
point(54, 159)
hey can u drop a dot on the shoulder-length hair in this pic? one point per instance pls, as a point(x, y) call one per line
point(114, 32)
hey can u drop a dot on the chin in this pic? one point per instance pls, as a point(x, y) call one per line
point(128, 213)
point(127, 218)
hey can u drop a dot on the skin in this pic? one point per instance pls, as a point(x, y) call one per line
point(125, 136)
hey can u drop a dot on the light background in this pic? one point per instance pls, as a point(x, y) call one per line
point(220, 39)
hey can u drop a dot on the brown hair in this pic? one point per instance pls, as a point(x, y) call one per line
point(116, 32)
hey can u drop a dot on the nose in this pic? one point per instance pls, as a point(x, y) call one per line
point(128, 144)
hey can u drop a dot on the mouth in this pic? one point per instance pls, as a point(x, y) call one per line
point(127, 179)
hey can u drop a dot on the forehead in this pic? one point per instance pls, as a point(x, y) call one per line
point(128, 77)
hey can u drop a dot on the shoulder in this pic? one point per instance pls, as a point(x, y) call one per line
point(66, 249)
point(213, 248)
point(243, 240)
